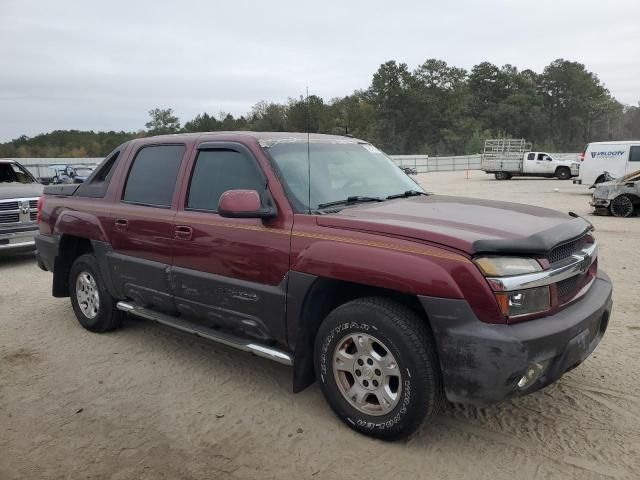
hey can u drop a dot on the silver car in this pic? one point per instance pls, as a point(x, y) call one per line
point(19, 193)
point(620, 196)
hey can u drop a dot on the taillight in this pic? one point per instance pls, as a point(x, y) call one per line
point(40, 206)
point(581, 157)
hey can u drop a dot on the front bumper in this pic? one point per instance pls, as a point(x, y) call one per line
point(600, 202)
point(481, 363)
point(18, 239)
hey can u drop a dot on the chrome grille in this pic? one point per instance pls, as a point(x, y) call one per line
point(13, 217)
point(565, 250)
point(20, 210)
point(13, 205)
point(569, 287)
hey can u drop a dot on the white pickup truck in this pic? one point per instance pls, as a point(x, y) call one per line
point(508, 158)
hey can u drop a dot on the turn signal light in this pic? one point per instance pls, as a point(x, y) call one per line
point(523, 302)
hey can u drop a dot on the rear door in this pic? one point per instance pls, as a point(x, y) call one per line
point(230, 273)
point(529, 163)
point(142, 232)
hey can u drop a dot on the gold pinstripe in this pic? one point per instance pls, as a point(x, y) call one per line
point(334, 238)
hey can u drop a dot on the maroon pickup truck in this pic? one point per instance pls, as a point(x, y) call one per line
point(318, 252)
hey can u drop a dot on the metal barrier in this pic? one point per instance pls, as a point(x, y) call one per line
point(425, 163)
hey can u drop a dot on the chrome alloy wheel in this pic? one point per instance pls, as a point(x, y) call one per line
point(367, 374)
point(87, 295)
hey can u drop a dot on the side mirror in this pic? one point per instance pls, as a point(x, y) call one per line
point(243, 204)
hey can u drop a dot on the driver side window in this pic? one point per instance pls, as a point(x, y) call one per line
point(217, 171)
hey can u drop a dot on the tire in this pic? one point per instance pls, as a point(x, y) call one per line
point(502, 175)
point(563, 173)
point(622, 206)
point(85, 286)
point(396, 340)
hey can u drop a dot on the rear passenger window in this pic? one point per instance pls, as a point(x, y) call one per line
point(152, 177)
point(98, 182)
point(105, 170)
point(217, 171)
point(531, 156)
point(634, 154)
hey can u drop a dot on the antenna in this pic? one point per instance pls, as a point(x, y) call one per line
point(308, 151)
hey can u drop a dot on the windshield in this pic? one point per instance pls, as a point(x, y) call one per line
point(14, 173)
point(338, 171)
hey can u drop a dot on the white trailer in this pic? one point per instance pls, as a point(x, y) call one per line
point(506, 158)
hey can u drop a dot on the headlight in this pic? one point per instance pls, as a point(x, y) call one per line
point(507, 266)
point(523, 302)
point(518, 302)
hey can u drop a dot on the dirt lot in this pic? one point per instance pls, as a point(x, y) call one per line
point(148, 403)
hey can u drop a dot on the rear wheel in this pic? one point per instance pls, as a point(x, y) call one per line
point(377, 366)
point(502, 175)
point(95, 309)
point(563, 173)
point(622, 206)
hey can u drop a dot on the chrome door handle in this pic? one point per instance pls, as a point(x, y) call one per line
point(182, 232)
point(121, 224)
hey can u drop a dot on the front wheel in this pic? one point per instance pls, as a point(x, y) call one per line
point(378, 369)
point(622, 206)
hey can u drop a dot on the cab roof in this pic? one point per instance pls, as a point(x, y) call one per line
point(265, 139)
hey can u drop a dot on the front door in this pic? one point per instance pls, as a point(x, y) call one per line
point(230, 273)
point(142, 235)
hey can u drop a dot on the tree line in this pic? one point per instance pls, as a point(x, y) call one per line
point(435, 109)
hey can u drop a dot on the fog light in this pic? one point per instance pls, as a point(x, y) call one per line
point(531, 375)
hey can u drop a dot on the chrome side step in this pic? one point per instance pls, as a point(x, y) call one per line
point(271, 353)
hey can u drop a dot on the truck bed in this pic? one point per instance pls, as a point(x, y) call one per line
point(502, 163)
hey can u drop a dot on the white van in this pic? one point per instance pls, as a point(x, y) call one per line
point(615, 158)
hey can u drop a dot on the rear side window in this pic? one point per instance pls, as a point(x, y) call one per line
point(634, 154)
point(217, 171)
point(98, 182)
point(104, 172)
point(531, 156)
point(152, 177)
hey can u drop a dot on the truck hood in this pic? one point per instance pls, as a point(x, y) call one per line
point(470, 225)
point(20, 190)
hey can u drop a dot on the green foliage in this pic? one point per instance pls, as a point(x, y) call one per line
point(436, 109)
point(162, 121)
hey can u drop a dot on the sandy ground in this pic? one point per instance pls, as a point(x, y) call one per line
point(145, 402)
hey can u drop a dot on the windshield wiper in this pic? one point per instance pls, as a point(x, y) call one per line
point(408, 193)
point(353, 199)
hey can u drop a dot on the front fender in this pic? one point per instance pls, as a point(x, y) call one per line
point(396, 264)
point(395, 270)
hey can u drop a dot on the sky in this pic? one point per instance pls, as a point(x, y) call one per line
point(102, 65)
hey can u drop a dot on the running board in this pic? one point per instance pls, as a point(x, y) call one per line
point(271, 353)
